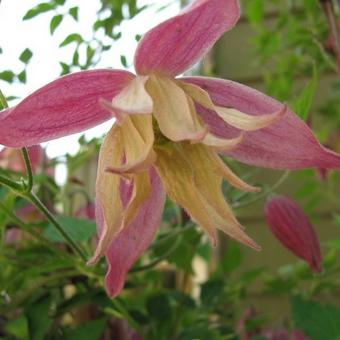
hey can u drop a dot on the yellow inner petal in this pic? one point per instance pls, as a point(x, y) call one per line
point(138, 139)
point(107, 191)
point(191, 181)
point(174, 111)
point(134, 98)
point(233, 117)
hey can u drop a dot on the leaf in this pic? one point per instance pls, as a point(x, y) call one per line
point(41, 8)
point(87, 331)
point(158, 307)
point(211, 291)
point(26, 56)
point(55, 22)
point(38, 318)
point(303, 103)
point(8, 200)
point(255, 11)
point(123, 60)
point(232, 258)
point(22, 77)
point(18, 328)
point(65, 68)
point(7, 76)
point(78, 229)
point(74, 13)
point(73, 37)
point(316, 320)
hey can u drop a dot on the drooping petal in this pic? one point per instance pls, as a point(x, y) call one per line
point(190, 181)
point(178, 43)
point(135, 238)
point(108, 199)
point(285, 144)
point(137, 138)
point(65, 106)
point(134, 98)
point(293, 229)
point(174, 111)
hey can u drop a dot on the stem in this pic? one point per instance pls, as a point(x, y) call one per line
point(265, 193)
point(36, 201)
point(10, 184)
point(28, 166)
point(158, 260)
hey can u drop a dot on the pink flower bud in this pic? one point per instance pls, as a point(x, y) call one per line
point(293, 229)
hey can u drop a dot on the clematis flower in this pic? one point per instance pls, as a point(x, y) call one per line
point(168, 134)
point(293, 229)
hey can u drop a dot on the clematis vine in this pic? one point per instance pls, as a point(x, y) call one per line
point(168, 134)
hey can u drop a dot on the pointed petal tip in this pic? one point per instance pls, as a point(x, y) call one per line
point(182, 40)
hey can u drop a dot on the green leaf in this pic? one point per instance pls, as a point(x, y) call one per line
point(255, 11)
point(158, 307)
point(38, 318)
point(232, 258)
point(304, 101)
point(18, 328)
point(78, 229)
point(60, 2)
point(65, 68)
point(8, 199)
point(74, 13)
point(26, 56)
point(87, 331)
point(211, 291)
point(123, 60)
point(41, 8)
point(73, 37)
point(22, 77)
point(55, 22)
point(316, 320)
point(75, 59)
point(7, 76)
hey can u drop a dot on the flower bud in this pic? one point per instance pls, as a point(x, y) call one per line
point(293, 229)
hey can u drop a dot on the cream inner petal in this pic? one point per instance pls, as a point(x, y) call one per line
point(233, 117)
point(174, 111)
point(134, 98)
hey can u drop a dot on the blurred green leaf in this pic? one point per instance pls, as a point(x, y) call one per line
point(123, 60)
point(22, 76)
point(73, 37)
point(232, 258)
point(26, 56)
point(78, 229)
point(303, 103)
point(19, 328)
point(255, 11)
point(41, 8)
point(90, 330)
point(55, 22)
point(316, 320)
point(38, 315)
point(7, 76)
point(74, 13)
point(158, 307)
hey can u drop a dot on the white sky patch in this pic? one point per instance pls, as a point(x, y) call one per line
point(16, 35)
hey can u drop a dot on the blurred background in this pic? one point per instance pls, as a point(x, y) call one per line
point(181, 288)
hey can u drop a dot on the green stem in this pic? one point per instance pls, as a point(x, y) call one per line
point(11, 184)
point(36, 201)
point(29, 172)
point(265, 193)
point(158, 260)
